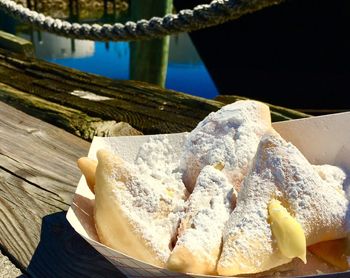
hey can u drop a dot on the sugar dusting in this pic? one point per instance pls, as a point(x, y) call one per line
point(332, 175)
point(281, 171)
point(207, 210)
point(229, 136)
point(155, 195)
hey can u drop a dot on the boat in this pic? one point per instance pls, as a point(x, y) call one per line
point(294, 54)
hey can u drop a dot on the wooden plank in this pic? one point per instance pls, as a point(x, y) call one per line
point(7, 269)
point(16, 44)
point(317, 112)
point(53, 93)
point(38, 177)
point(148, 108)
point(70, 119)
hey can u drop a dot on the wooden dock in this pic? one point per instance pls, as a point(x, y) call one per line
point(44, 109)
point(38, 176)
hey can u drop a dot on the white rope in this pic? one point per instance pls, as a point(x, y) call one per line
point(217, 12)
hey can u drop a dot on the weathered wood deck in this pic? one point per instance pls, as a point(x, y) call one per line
point(52, 88)
point(38, 177)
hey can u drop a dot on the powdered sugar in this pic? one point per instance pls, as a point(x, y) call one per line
point(154, 198)
point(207, 210)
point(152, 195)
point(281, 171)
point(156, 158)
point(332, 175)
point(229, 136)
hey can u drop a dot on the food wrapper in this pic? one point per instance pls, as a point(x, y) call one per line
point(323, 140)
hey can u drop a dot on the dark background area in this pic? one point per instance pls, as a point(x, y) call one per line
point(296, 54)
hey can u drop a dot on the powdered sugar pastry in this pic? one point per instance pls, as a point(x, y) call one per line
point(229, 136)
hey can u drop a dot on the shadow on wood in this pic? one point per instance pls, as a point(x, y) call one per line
point(61, 251)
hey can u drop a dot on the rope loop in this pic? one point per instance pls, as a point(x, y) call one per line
point(205, 15)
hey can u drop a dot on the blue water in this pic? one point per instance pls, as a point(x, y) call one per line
point(112, 62)
point(190, 77)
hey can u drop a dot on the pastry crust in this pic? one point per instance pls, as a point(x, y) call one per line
point(132, 215)
point(296, 268)
point(229, 136)
point(279, 171)
point(200, 234)
point(88, 168)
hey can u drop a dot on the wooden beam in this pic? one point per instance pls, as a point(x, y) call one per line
point(87, 105)
point(72, 120)
point(16, 44)
point(148, 108)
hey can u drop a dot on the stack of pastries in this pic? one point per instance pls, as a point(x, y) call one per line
point(239, 200)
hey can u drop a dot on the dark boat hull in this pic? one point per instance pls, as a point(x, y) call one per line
point(295, 54)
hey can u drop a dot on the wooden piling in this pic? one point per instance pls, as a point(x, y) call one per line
point(149, 59)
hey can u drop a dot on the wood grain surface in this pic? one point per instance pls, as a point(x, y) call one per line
point(148, 108)
point(72, 120)
point(38, 177)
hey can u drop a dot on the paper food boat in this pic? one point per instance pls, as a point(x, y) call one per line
point(323, 140)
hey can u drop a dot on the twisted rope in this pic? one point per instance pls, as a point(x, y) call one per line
point(217, 12)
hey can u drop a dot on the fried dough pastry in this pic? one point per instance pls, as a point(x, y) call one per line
point(280, 172)
point(88, 168)
point(332, 175)
point(229, 136)
point(134, 214)
point(200, 234)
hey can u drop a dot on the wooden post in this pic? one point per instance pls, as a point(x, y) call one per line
point(29, 4)
point(149, 59)
point(105, 8)
point(74, 12)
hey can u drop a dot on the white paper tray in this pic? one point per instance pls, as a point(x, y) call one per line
point(323, 140)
